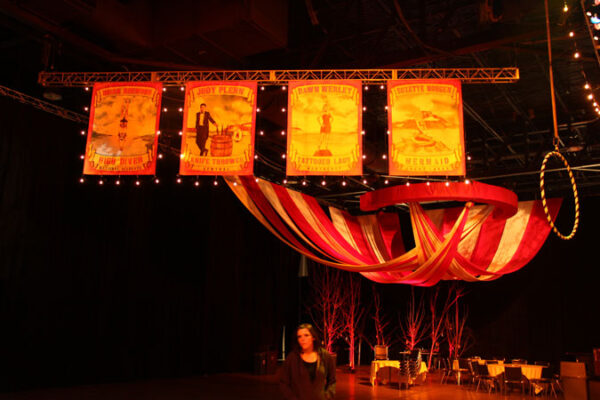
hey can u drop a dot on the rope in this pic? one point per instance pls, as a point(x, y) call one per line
point(575, 195)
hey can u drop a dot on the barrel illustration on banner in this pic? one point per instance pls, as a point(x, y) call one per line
point(218, 128)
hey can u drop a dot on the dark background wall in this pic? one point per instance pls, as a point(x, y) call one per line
point(110, 283)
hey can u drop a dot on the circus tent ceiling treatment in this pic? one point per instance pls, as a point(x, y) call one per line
point(426, 128)
point(324, 128)
point(218, 128)
point(123, 129)
point(470, 243)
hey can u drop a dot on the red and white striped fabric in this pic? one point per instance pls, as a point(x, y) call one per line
point(470, 243)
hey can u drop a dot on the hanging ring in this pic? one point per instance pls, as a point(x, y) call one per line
point(575, 195)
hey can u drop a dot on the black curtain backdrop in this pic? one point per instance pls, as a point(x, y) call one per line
point(102, 284)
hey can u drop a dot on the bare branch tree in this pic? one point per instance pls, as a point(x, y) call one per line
point(438, 318)
point(352, 314)
point(383, 336)
point(458, 335)
point(326, 308)
point(413, 325)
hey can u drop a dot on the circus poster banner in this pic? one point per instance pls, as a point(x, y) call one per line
point(218, 128)
point(122, 133)
point(425, 120)
point(324, 128)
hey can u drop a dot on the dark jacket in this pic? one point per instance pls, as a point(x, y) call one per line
point(295, 382)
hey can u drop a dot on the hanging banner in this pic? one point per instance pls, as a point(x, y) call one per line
point(122, 133)
point(426, 127)
point(218, 128)
point(324, 128)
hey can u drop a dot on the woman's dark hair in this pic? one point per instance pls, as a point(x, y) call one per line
point(313, 333)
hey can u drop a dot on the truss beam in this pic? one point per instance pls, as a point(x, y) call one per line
point(280, 77)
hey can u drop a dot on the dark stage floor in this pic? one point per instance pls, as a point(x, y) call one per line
point(247, 386)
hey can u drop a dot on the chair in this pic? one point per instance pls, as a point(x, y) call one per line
point(464, 368)
point(483, 375)
point(546, 382)
point(474, 369)
point(518, 361)
point(404, 374)
point(446, 369)
point(514, 375)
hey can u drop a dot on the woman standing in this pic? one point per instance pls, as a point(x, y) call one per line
point(308, 372)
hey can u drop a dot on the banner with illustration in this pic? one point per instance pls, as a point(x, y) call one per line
point(425, 120)
point(324, 128)
point(122, 132)
point(218, 128)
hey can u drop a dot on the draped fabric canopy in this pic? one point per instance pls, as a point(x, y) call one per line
point(470, 243)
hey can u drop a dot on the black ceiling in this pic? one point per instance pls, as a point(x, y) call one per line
point(508, 127)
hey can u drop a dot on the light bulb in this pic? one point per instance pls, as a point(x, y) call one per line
point(216, 182)
point(197, 183)
point(565, 8)
point(87, 89)
point(157, 180)
point(447, 183)
point(366, 88)
point(82, 133)
point(137, 183)
point(158, 132)
point(256, 156)
point(180, 133)
point(100, 182)
point(283, 109)
point(234, 183)
point(262, 88)
point(86, 108)
point(364, 108)
point(590, 96)
point(284, 88)
point(164, 89)
point(364, 181)
point(165, 109)
point(118, 182)
point(384, 156)
point(586, 86)
point(364, 156)
point(576, 54)
point(467, 181)
point(323, 182)
point(428, 183)
point(257, 109)
point(261, 133)
point(178, 180)
point(285, 181)
point(303, 182)
point(362, 132)
point(282, 133)
point(571, 34)
point(81, 180)
point(160, 156)
point(343, 183)
point(180, 109)
point(82, 156)
point(407, 183)
point(283, 155)
point(181, 156)
point(386, 181)
point(382, 87)
point(182, 88)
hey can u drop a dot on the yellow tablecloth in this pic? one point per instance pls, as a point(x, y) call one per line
point(530, 371)
point(378, 364)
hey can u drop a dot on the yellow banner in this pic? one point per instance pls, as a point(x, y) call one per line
point(324, 128)
point(426, 127)
point(122, 134)
point(218, 128)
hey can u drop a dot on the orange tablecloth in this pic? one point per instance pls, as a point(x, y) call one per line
point(530, 371)
point(378, 364)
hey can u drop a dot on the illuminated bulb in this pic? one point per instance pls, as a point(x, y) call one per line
point(303, 182)
point(364, 108)
point(82, 133)
point(156, 180)
point(282, 133)
point(388, 132)
point(386, 181)
point(362, 132)
point(283, 109)
point(590, 96)
point(180, 109)
point(82, 156)
point(197, 183)
point(81, 180)
point(178, 180)
point(589, 14)
point(216, 183)
point(118, 182)
point(586, 86)
point(576, 55)
point(181, 156)
point(182, 88)
point(565, 8)
point(469, 158)
point(595, 104)
point(384, 156)
point(343, 183)
point(447, 183)
point(595, 37)
point(86, 108)
point(261, 133)
point(165, 109)
point(364, 156)
point(234, 183)
point(284, 88)
point(386, 107)
point(180, 133)
point(160, 156)
point(407, 183)
point(366, 88)
point(285, 181)
point(262, 88)
point(428, 183)
point(571, 34)
point(257, 109)
point(323, 182)
point(158, 132)
point(467, 181)
point(365, 181)
point(137, 182)
point(382, 87)
point(256, 156)
point(87, 89)
point(283, 155)
point(100, 182)
point(256, 180)
point(164, 89)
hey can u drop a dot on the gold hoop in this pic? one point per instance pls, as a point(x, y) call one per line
point(575, 195)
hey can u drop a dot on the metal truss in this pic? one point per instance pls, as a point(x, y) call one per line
point(43, 105)
point(281, 77)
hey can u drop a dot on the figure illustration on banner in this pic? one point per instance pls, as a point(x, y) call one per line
point(325, 120)
point(123, 123)
point(422, 132)
point(203, 118)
